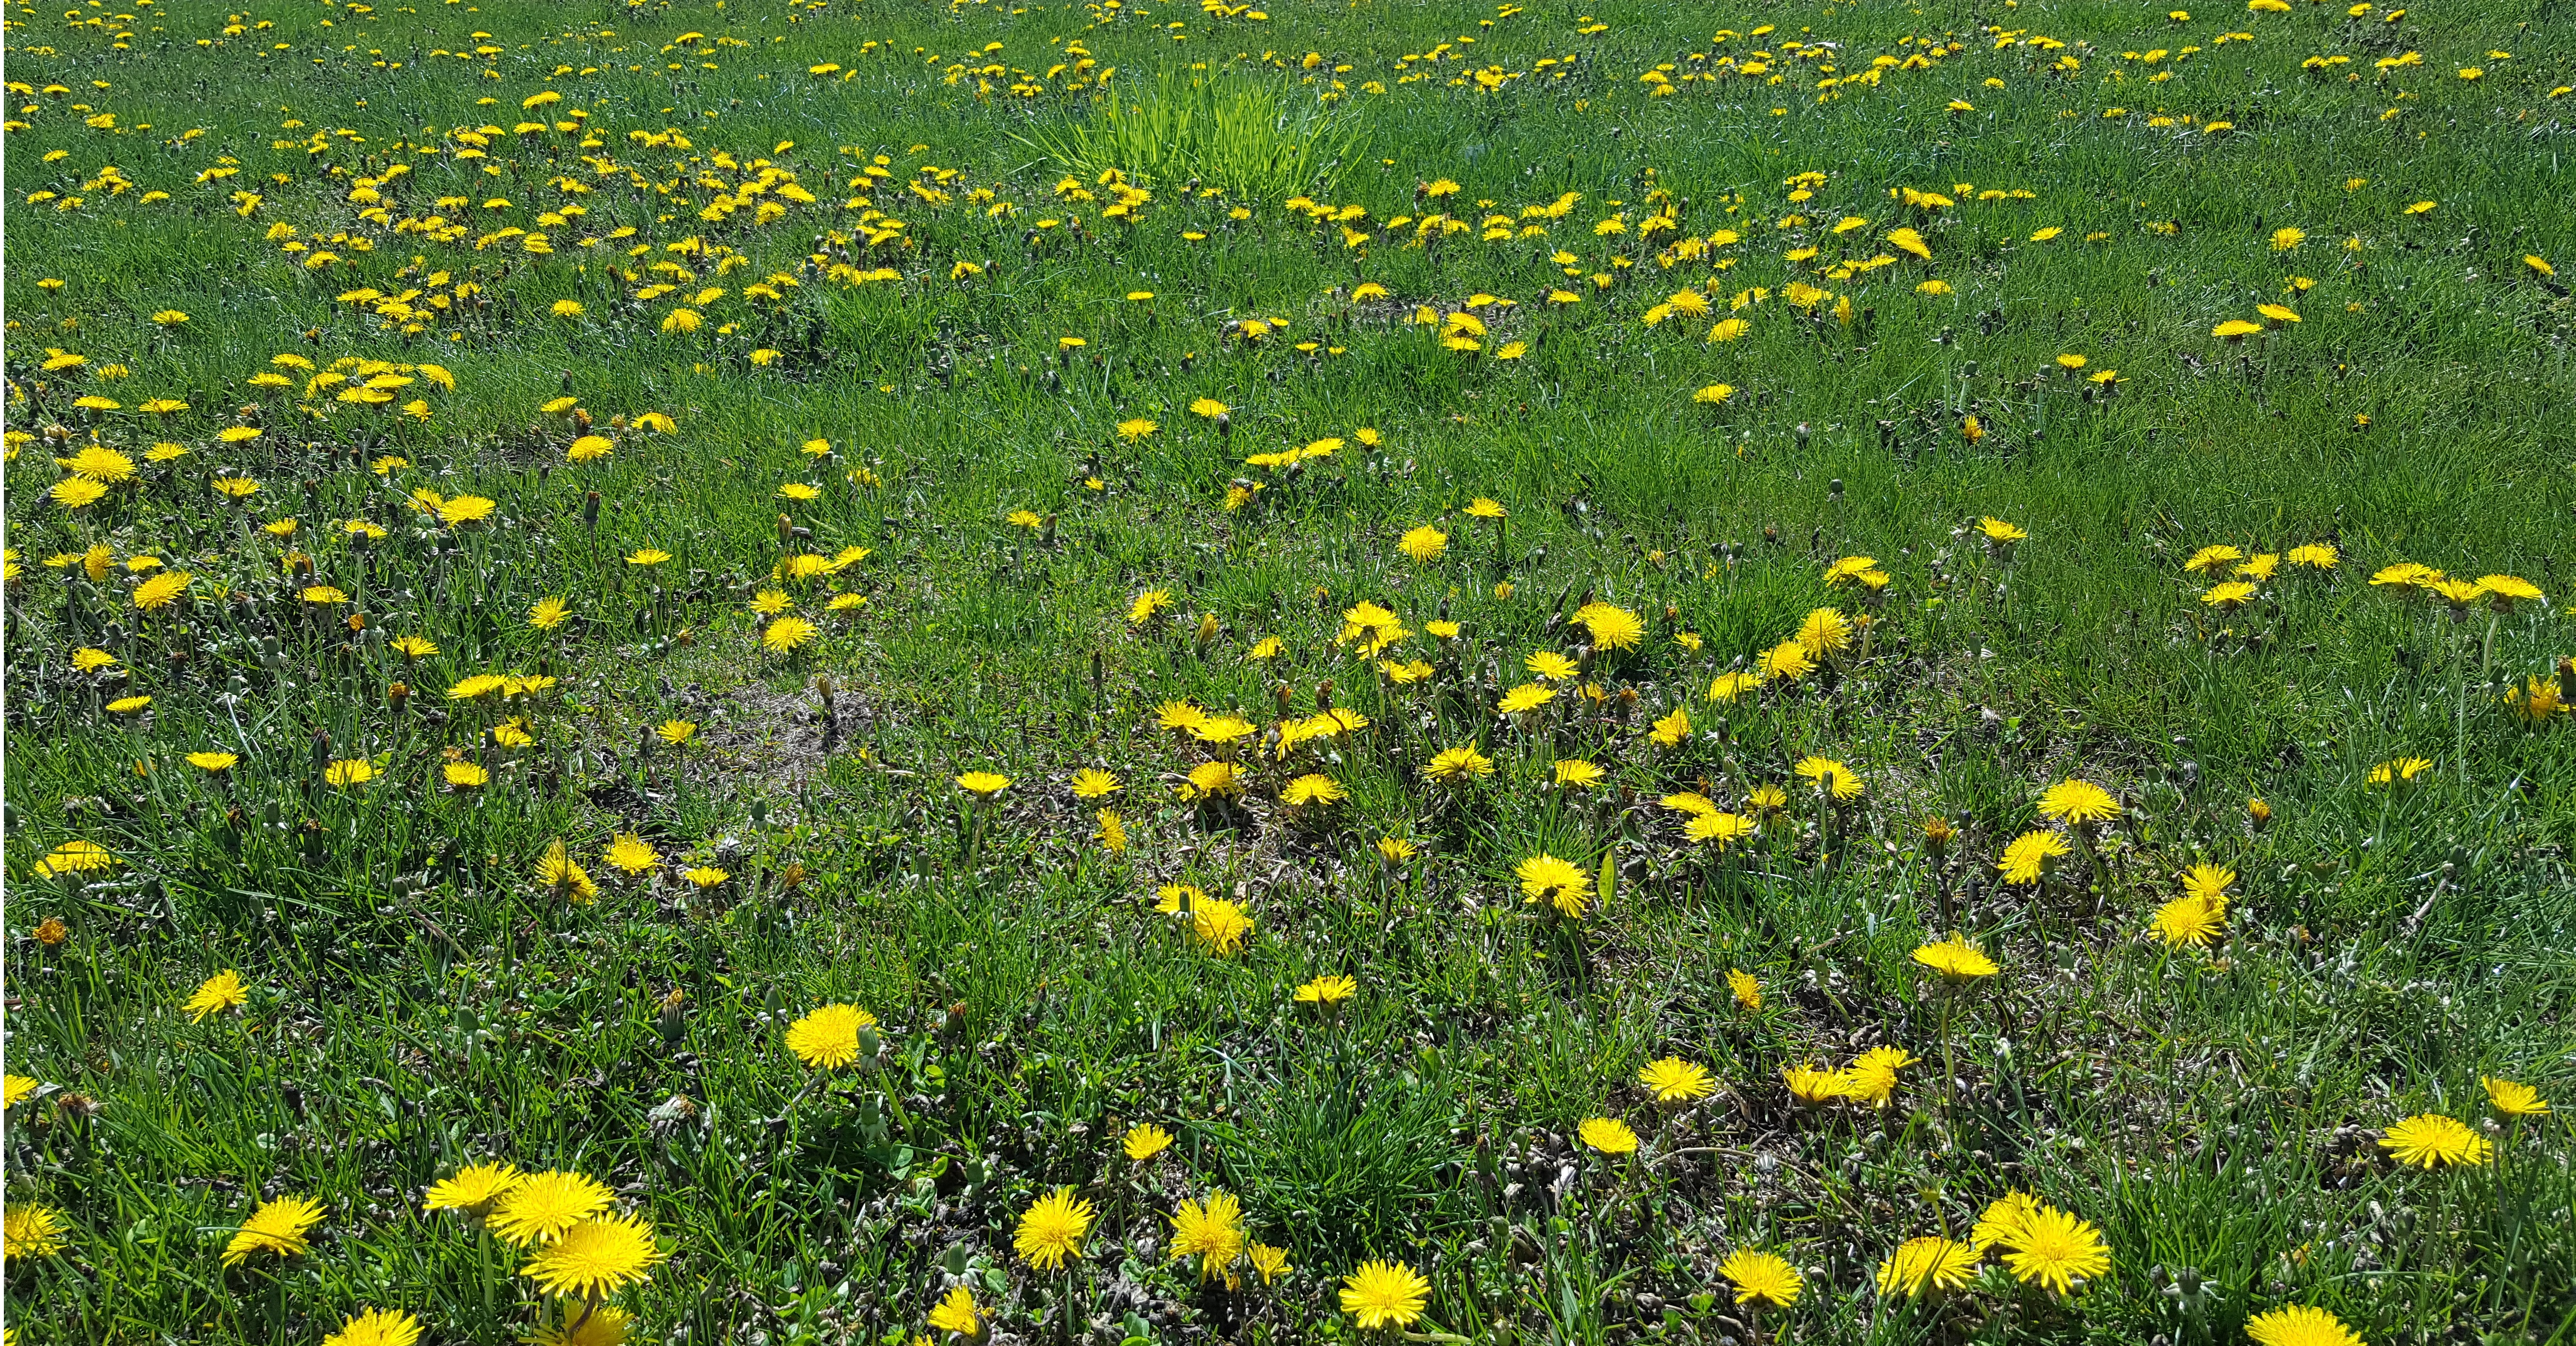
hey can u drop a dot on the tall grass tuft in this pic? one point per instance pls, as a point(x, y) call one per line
point(1255, 137)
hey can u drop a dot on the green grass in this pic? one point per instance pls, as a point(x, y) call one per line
point(420, 1000)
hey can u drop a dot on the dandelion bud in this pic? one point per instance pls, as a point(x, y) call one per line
point(2567, 680)
point(868, 1047)
point(1225, 424)
point(786, 528)
point(672, 1024)
point(1937, 835)
point(397, 696)
point(590, 510)
point(1771, 534)
point(581, 420)
point(1324, 694)
point(2259, 811)
point(1285, 695)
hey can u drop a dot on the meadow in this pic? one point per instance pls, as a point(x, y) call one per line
point(835, 671)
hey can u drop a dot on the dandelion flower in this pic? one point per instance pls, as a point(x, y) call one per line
point(1746, 990)
point(473, 1188)
point(1728, 688)
point(541, 1206)
point(956, 1313)
point(1763, 1278)
point(1147, 604)
point(2190, 921)
point(1551, 666)
point(1145, 1140)
point(1210, 780)
point(220, 992)
point(2513, 1100)
point(1612, 628)
point(1955, 960)
point(161, 590)
point(1924, 1266)
point(75, 857)
point(1327, 992)
point(1384, 1293)
point(1576, 774)
point(1608, 1135)
point(560, 873)
point(1831, 777)
point(1786, 661)
point(2299, 1325)
point(1674, 1080)
point(1719, 828)
point(2026, 857)
point(2076, 801)
point(1211, 1230)
point(31, 1231)
point(983, 784)
point(1091, 783)
point(828, 1038)
point(76, 492)
point(1559, 882)
point(785, 634)
point(1453, 766)
point(2429, 1140)
point(279, 1226)
point(2056, 1248)
point(1220, 926)
point(595, 1258)
point(1425, 543)
point(1812, 1085)
point(376, 1327)
point(1051, 1229)
point(2399, 770)
point(1825, 631)
point(1872, 1077)
point(631, 854)
point(1312, 789)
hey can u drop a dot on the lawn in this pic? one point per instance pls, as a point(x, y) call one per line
point(819, 671)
